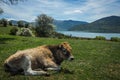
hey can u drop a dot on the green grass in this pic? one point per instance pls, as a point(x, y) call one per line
point(5, 30)
point(94, 59)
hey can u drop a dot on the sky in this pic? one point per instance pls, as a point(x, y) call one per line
point(80, 10)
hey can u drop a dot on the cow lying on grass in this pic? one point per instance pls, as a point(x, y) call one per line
point(46, 57)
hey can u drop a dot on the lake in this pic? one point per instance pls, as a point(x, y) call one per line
point(89, 34)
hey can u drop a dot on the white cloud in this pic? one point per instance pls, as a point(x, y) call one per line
point(77, 11)
point(96, 9)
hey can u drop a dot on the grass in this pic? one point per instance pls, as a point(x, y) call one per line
point(94, 59)
point(5, 30)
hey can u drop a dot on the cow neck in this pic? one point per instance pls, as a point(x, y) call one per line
point(55, 51)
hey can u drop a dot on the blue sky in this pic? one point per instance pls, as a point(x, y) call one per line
point(82, 10)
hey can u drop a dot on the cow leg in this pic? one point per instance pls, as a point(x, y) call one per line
point(51, 66)
point(28, 70)
point(53, 69)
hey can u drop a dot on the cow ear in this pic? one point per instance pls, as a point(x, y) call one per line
point(60, 46)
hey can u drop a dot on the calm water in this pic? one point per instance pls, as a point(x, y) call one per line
point(89, 34)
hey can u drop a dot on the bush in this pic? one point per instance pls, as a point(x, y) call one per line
point(13, 31)
point(59, 35)
point(115, 39)
point(62, 36)
point(25, 32)
point(100, 38)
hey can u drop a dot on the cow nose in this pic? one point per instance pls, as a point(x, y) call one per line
point(72, 58)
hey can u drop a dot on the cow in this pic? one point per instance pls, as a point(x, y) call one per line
point(44, 58)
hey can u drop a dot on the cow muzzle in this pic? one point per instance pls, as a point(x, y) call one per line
point(71, 58)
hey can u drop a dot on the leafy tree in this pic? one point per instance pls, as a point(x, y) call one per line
point(20, 24)
point(9, 2)
point(10, 23)
point(26, 25)
point(0, 21)
point(4, 22)
point(44, 26)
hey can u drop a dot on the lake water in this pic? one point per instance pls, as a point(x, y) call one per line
point(89, 34)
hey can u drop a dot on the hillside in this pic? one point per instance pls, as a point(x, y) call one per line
point(5, 30)
point(67, 24)
point(109, 24)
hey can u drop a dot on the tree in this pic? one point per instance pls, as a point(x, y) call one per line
point(10, 23)
point(44, 27)
point(26, 25)
point(4, 22)
point(9, 2)
point(0, 21)
point(20, 24)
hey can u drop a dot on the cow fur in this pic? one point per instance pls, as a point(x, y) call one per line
point(46, 57)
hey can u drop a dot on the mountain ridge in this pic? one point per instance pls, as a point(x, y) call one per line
point(60, 24)
point(110, 24)
point(67, 24)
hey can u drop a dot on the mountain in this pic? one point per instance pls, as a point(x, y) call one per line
point(14, 22)
point(60, 24)
point(66, 24)
point(109, 24)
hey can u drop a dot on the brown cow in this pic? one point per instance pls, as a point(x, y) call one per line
point(46, 57)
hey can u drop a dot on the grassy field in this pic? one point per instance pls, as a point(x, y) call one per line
point(5, 30)
point(94, 59)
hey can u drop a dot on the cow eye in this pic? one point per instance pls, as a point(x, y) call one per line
point(64, 50)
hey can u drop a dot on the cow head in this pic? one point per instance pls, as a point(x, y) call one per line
point(66, 51)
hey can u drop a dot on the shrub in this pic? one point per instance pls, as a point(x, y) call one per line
point(62, 36)
point(33, 30)
point(115, 39)
point(100, 38)
point(25, 32)
point(13, 31)
point(59, 35)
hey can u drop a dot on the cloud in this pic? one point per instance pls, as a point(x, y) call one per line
point(87, 10)
point(96, 9)
point(77, 11)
